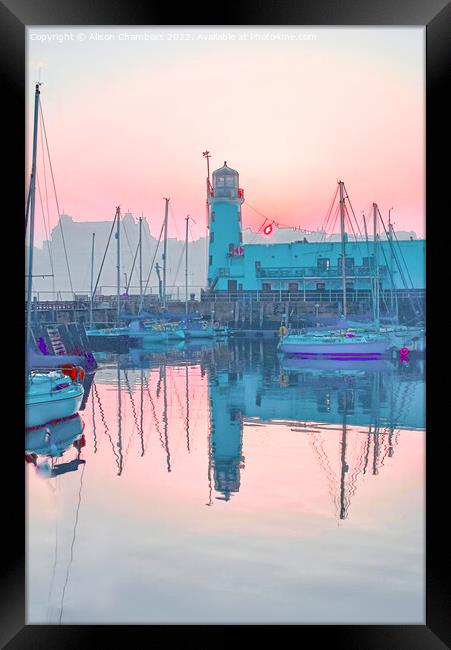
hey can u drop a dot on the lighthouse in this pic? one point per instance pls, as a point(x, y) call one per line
point(225, 247)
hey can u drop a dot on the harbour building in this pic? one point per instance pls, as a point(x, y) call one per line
point(302, 268)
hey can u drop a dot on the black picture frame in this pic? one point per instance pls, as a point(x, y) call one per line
point(435, 16)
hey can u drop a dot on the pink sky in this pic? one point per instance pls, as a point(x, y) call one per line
point(127, 123)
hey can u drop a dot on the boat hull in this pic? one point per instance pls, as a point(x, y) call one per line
point(207, 333)
point(175, 335)
point(335, 350)
point(41, 409)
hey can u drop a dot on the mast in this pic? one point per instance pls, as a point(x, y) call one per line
point(92, 280)
point(390, 237)
point(186, 264)
point(343, 246)
point(118, 281)
point(165, 249)
point(376, 268)
point(31, 207)
point(119, 420)
point(140, 259)
point(187, 407)
point(206, 154)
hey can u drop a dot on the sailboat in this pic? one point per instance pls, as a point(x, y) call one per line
point(102, 338)
point(50, 394)
point(343, 343)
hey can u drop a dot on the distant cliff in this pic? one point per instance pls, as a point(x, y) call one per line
point(78, 240)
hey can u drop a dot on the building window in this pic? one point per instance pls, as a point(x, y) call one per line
point(293, 286)
point(349, 264)
point(258, 265)
point(368, 263)
point(219, 181)
point(266, 286)
point(212, 216)
point(212, 236)
point(229, 181)
point(320, 286)
point(323, 264)
point(210, 260)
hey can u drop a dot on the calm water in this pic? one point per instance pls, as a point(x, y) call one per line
point(221, 484)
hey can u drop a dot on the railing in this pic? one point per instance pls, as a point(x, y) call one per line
point(322, 296)
point(314, 272)
point(226, 193)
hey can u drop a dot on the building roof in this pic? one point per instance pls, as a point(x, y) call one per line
point(225, 170)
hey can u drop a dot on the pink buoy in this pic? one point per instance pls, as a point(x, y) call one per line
point(404, 351)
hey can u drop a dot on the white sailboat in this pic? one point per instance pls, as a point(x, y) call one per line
point(342, 343)
point(49, 394)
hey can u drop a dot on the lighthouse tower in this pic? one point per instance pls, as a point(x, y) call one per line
point(225, 236)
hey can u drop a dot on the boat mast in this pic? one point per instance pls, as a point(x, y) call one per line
point(118, 280)
point(92, 280)
point(165, 249)
point(206, 154)
point(376, 267)
point(31, 207)
point(390, 237)
point(140, 259)
point(343, 245)
point(186, 264)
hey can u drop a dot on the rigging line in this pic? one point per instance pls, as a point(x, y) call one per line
point(178, 266)
point(132, 401)
point(187, 407)
point(337, 210)
point(331, 222)
point(329, 211)
point(126, 237)
point(104, 254)
point(94, 423)
point(352, 210)
point(151, 269)
point(56, 199)
point(388, 267)
point(349, 221)
point(154, 413)
point(54, 569)
point(133, 267)
point(402, 256)
point(166, 421)
point(171, 212)
point(418, 304)
point(73, 541)
point(107, 430)
point(45, 181)
point(45, 226)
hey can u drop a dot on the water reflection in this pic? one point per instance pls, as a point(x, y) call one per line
point(277, 449)
point(248, 384)
point(46, 445)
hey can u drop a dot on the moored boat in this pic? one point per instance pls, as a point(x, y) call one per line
point(51, 395)
point(348, 345)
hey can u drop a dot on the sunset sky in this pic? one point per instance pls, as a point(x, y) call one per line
point(293, 110)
